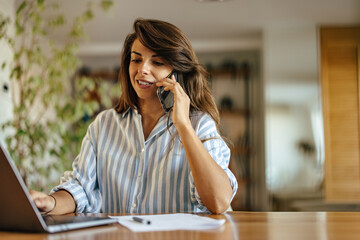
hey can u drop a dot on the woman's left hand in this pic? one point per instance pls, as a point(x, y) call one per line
point(181, 108)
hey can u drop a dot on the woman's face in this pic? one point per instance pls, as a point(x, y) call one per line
point(146, 68)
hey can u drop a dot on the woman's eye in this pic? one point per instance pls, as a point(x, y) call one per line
point(135, 60)
point(158, 63)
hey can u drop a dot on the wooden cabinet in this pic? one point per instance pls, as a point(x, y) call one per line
point(340, 91)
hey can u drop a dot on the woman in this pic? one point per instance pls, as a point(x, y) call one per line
point(138, 159)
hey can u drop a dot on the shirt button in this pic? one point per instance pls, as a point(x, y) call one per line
point(142, 150)
point(139, 175)
point(133, 205)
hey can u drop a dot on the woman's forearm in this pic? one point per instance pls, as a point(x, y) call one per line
point(65, 203)
point(212, 183)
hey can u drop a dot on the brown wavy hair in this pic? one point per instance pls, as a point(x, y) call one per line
point(173, 46)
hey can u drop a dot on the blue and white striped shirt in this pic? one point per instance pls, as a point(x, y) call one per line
point(117, 171)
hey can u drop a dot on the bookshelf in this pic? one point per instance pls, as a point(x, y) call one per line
point(231, 88)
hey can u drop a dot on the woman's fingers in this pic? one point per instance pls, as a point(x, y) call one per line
point(42, 201)
point(170, 84)
point(167, 83)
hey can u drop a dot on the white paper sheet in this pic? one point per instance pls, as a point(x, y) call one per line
point(170, 222)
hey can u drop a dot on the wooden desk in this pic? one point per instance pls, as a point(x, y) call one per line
point(239, 225)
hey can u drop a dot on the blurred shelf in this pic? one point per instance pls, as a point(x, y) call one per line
point(107, 75)
point(224, 72)
point(234, 112)
point(233, 72)
point(235, 121)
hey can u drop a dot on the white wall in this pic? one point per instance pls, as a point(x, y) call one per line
point(7, 8)
point(289, 170)
point(291, 92)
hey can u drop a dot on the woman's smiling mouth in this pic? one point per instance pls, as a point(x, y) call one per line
point(144, 84)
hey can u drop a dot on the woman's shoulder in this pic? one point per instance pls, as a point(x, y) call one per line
point(106, 115)
point(199, 115)
point(202, 119)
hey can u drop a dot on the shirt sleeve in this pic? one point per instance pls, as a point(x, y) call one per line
point(219, 151)
point(81, 182)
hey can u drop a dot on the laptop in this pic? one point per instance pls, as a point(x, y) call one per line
point(19, 213)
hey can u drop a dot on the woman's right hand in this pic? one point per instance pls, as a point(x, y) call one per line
point(43, 201)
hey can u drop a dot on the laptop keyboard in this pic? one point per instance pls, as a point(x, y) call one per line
point(63, 219)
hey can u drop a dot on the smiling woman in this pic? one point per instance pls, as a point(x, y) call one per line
point(137, 158)
point(145, 69)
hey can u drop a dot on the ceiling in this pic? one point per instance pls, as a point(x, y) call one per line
point(206, 21)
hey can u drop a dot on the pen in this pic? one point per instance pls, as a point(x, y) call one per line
point(141, 220)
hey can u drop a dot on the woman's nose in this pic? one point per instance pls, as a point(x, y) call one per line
point(144, 68)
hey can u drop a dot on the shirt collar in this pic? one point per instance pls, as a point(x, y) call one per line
point(127, 111)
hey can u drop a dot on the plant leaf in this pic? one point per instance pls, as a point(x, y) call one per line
point(21, 7)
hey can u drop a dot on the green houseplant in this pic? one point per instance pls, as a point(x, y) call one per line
point(48, 125)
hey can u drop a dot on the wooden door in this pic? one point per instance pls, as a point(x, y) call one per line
point(340, 91)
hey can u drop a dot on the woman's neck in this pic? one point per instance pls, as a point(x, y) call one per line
point(151, 112)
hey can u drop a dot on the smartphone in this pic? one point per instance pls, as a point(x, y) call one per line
point(167, 97)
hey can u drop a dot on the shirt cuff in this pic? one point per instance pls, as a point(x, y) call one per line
point(76, 192)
